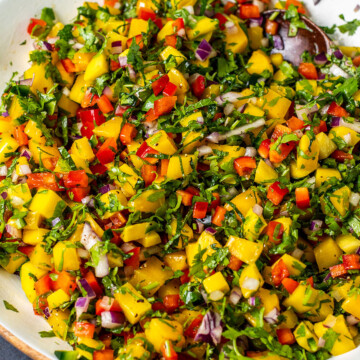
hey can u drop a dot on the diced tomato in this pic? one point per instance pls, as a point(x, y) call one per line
point(285, 336)
point(89, 118)
point(222, 20)
point(295, 124)
point(107, 151)
point(275, 231)
point(283, 151)
point(351, 261)
point(26, 250)
point(106, 354)
point(170, 40)
point(158, 306)
point(159, 85)
point(76, 178)
point(302, 198)
point(148, 173)
point(46, 180)
point(111, 3)
point(289, 284)
point(279, 131)
point(164, 105)
point(337, 110)
point(356, 61)
point(98, 169)
point(193, 328)
point(64, 281)
point(104, 104)
point(337, 270)
point(200, 209)
point(308, 70)
point(184, 279)
point(84, 329)
point(43, 285)
point(171, 302)
point(279, 272)
point(230, 8)
point(134, 260)
point(20, 136)
point(193, 190)
point(146, 14)
point(198, 86)
point(120, 110)
point(114, 65)
point(77, 194)
point(38, 23)
point(158, 23)
point(264, 148)
point(244, 165)
point(170, 89)
point(68, 65)
point(138, 41)
point(168, 351)
point(320, 128)
point(234, 263)
point(341, 156)
point(276, 193)
point(107, 304)
point(248, 11)
point(127, 133)
point(298, 4)
point(271, 27)
point(219, 216)
point(186, 197)
point(145, 150)
point(91, 279)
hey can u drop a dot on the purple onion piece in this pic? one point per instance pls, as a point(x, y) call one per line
point(81, 306)
point(4, 195)
point(256, 21)
point(105, 189)
point(55, 221)
point(210, 329)
point(327, 277)
point(278, 42)
point(199, 227)
point(338, 54)
point(320, 59)
point(26, 154)
point(321, 76)
point(335, 121)
point(48, 46)
point(5, 114)
point(47, 312)
point(252, 301)
point(358, 251)
point(116, 43)
point(316, 225)
point(90, 293)
point(112, 319)
point(210, 230)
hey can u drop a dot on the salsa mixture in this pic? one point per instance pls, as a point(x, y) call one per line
point(172, 188)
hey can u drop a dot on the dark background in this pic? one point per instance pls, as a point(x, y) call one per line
point(8, 352)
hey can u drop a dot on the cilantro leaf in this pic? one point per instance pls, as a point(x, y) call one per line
point(350, 26)
point(8, 306)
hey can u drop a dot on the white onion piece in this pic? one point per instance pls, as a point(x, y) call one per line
point(250, 283)
point(14, 177)
point(25, 169)
point(243, 129)
point(13, 231)
point(204, 150)
point(190, 9)
point(354, 199)
point(264, 42)
point(3, 170)
point(272, 316)
point(353, 126)
point(297, 253)
point(17, 201)
point(66, 91)
point(321, 342)
point(228, 109)
point(347, 138)
point(324, 109)
point(337, 71)
point(352, 320)
point(235, 295)
point(250, 151)
point(216, 295)
point(89, 237)
point(230, 97)
point(102, 268)
point(259, 4)
point(127, 247)
point(257, 209)
point(83, 254)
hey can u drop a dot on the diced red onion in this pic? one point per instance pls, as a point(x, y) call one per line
point(83, 254)
point(324, 109)
point(358, 251)
point(47, 312)
point(330, 324)
point(204, 150)
point(127, 247)
point(47, 46)
point(102, 268)
point(13, 231)
point(17, 201)
point(254, 22)
point(90, 293)
point(132, 73)
point(5, 114)
point(81, 306)
point(327, 277)
point(243, 129)
point(235, 295)
point(354, 199)
point(25, 169)
point(230, 97)
point(4, 195)
point(298, 133)
point(214, 137)
point(352, 320)
point(108, 92)
point(338, 54)
point(320, 59)
point(210, 329)
point(321, 76)
point(3, 170)
point(272, 316)
point(278, 42)
point(88, 237)
point(335, 121)
point(123, 61)
point(231, 28)
point(316, 225)
point(55, 221)
point(86, 200)
point(199, 227)
point(347, 138)
point(257, 209)
point(250, 283)
point(116, 47)
point(106, 188)
point(321, 342)
point(357, 8)
point(210, 230)
point(302, 110)
point(27, 82)
point(337, 71)
point(252, 301)
point(353, 126)
point(204, 50)
point(112, 319)
point(190, 9)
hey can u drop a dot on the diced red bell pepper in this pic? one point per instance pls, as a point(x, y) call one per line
point(219, 216)
point(68, 65)
point(170, 89)
point(98, 169)
point(186, 197)
point(298, 4)
point(200, 209)
point(134, 260)
point(77, 194)
point(337, 110)
point(168, 351)
point(158, 306)
point(222, 20)
point(351, 261)
point(340, 156)
point(320, 128)
point(279, 272)
point(144, 151)
point(356, 61)
point(271, 27)
point(138, 40)
point(89, 118)
point(310, 281)
point(35, 23)
point(279, 131)
point(193, 190)
point(84, 329)
point(164, 165)
point(151, 115)
point(118, 220)
point(158, 23)
point(283, 151)
point(127, 133)
point(146, 14)
point(114, 65)
point(234, 263)
point(198, 86)
point(337, 270)
point(164, 105)
point(46, 180)
point(104, 104)
point(148, 173)
point(106, 354)
point(290, 285)
point(76, 178)
point(285, 336)
point(178, 24)
point(171, 40)
point(308, 70)
point(230, 8)
point(264, 148)
point(65, 282)
point(89, 99)
point(43, 285)
point(302, 198)
point(26, 250)
point(159, 85)
point(215, 203)
point(91, 279)
point(248, 11)
point(107, 304)
point(295, 124)
point(120, 110)
point(185, 278)
point(244, 165)
point(107, 151)
point(193, 328)
point(275, 231)
point(171, 302)
point(20, 136)
point(276, 194)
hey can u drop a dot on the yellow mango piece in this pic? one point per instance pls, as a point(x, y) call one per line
point(308, 154)
point(178, 4)
point(344, 132)
point(90, 345)
point(45, 202)
point(41, 151)
point(352, 305)
point(340, 291)
point(34, 237)
point(110, 128)
point(137, 26)
point(245, 250)
point(259, 62)
point(348, 243)
point(97, 66)
point(324, 174)
point(28, 281)
point(111, 37)
point(303, 299)
point(132, 148)
point(203, 26)
point(150, 239)
point(67, 78)
point(40, 82)
point(33, 221)
point(170, 288)
point(210, 91)
point(232, 152)
point(290, 320)
point(244, 201)
point(276, 59)
point(327, 253)
point(191, 139)
point(14, 262)
point(294, 265)
point(323, 308)
point(269, 300)
point(7, 145)
point(40, 258)
point(327, 146)
point(15, 110)
point(265, 174)
point(250, 280)
point(128, 181)
point(216, 282)
point(178, 79)
point(187, 233)
point(236, 41)
point(82, 148)
point(180, 166)
point(167, 29)
point(113, 201)
point(255, 36)
point(170, 51)
point(309, 86)
point(253, 225)
point(32, 130)
point(305, 336)
point(128, 298)
point(19, 195)
point(66, 256)
point(276, 106)
point(78, 90)
point(58, 322)
point(68, 105)
point(339, 199)
point(161, 142)
point(57, 298)
point(135, 231)
point(149, 201)
point(176, 261)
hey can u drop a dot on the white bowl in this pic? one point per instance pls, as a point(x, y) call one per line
point(14, 18)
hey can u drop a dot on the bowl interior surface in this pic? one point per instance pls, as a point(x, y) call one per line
point(14, 18)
